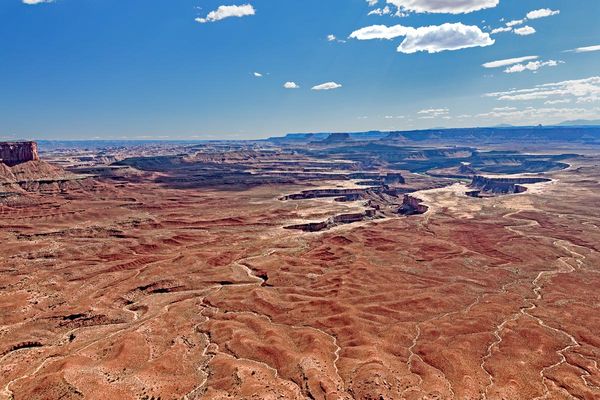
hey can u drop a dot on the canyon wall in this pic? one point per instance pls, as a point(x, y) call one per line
point(503, 185)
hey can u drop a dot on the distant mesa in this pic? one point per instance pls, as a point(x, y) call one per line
point(14, 153)
point(337, 138)
point(586, 131)
point(581, 122)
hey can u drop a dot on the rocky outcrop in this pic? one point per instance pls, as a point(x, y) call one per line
point(499, 186)
point(22, 171)
point(335, 221)
point(14, 153)
point(412, 206)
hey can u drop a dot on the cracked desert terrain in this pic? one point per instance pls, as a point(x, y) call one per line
point(136, 287)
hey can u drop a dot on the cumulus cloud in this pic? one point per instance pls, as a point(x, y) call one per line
point(327, 86)
point(227, 12)
point(372, 2)
point(291, 85)
point(587, 49)
point(258, 74)
point(542, 13)
point(508, 61)
point(435, 39)
point(443, 6)
point(524, 31)
point(32, 2)
point(432, 39)
point(331, 38)
point(582, 90)
point(532, 66)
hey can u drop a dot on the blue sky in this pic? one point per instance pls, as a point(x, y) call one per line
point(140, 69)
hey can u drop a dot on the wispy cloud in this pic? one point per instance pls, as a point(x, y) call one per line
point(532, 66)
point(587, 49)
point(582, 90)
point(381, 11)
point(535, 115)
point(432, 113)
point(508, 61)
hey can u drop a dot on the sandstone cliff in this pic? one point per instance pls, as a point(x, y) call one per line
point(22, 171)
point(412, 206)
point(14, 153)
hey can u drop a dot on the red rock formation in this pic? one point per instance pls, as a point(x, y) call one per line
point(13, 153)
point(411, 206)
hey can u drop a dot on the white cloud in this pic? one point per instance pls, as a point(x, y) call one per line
point(258, 74)
point(516, 22)
point(372, 2)
point(327, 86)
point(443, 6)
point(545, 115)
point(380, 11)
point(542, 13)
point(501, 30)
point(291, 85)
point(227, 12)
point(434, 113)
point(532, 66)
point(560, 101)
point(583, 90)
point(433, 39)
point(380, 32)
point(331, 38)
point(524, 31)
point(509, 61)
point(32, 2)
point(587, 49)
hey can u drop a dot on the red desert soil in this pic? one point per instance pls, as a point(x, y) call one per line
point(138, 291)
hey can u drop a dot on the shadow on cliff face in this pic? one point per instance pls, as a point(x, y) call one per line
point(488, 187)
